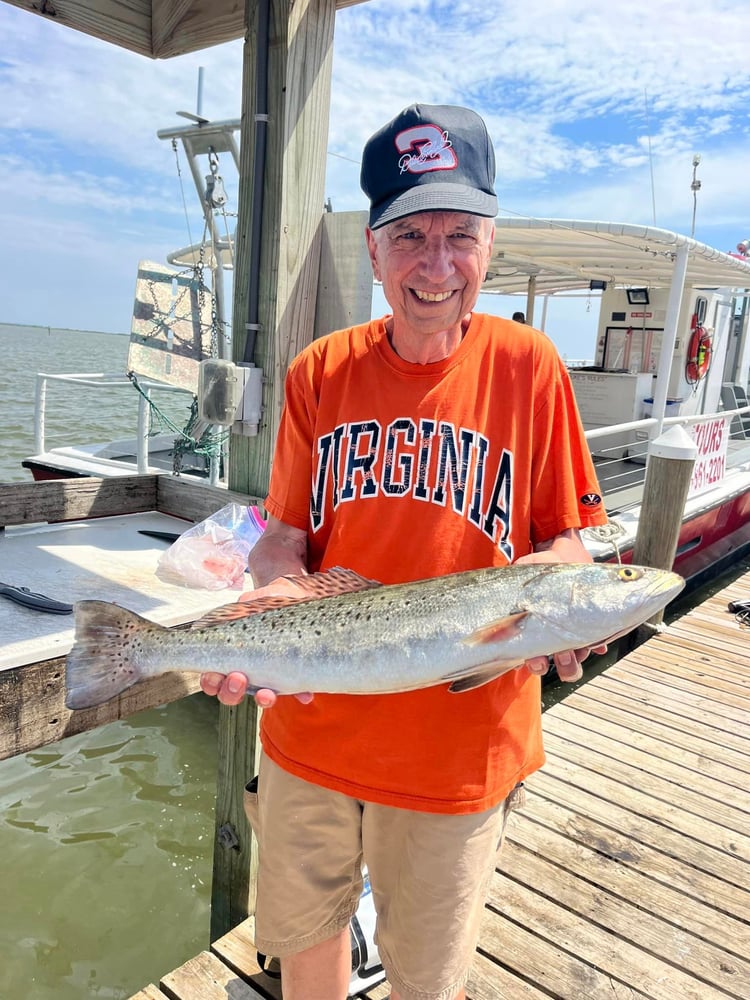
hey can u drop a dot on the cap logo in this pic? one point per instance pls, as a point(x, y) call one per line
point(425, 148)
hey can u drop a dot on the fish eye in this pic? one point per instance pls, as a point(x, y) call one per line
point(628, 573)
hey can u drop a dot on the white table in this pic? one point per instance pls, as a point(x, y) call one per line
point(97, 559)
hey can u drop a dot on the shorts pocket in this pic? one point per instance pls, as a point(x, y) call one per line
point(250, 803)
point(515, 800)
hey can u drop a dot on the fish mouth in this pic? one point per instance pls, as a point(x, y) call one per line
point(665, 583)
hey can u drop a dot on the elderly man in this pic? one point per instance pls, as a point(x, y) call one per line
point(430, 441)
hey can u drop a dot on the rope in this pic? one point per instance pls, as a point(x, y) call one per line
point(209, 444)
point(607, 533)
point(182, 190)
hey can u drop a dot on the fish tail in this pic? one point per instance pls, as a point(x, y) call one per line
point(104, 660)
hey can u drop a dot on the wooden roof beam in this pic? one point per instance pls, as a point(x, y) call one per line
point(166, 16)
point(126, 23)
point(158, 29)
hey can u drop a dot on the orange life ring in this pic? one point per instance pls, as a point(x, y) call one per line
point(699, 356)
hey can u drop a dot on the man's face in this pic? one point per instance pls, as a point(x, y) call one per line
point(432, 265)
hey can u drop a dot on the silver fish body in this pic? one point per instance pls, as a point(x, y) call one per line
point(463, 629)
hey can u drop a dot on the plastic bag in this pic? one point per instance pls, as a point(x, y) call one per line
point(213, 554)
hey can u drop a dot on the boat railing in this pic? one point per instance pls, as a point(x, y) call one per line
point(620, 450)
point(109, 381)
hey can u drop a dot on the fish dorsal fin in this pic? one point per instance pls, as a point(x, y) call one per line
point(501, 628)
point(315, 586)
point(332, 582)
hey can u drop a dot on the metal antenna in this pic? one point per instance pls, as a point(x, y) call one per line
point(650, 157)
point(199, 98)
point(198, 116)
point(695, 188)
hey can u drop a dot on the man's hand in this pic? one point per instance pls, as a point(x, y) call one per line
point(568, 662)
point(565, 547)
point(231, 689)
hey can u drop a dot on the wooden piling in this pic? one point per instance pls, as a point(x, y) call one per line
point(298, 75)
point(671, 458)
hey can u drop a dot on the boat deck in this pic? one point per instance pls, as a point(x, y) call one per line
point(627, 873)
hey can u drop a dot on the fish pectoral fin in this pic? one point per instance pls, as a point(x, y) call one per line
point(503, 628)
point(313, 587)
point(483, 675)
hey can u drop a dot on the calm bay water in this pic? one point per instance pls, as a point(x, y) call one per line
point(106, 839)
point(75, 414)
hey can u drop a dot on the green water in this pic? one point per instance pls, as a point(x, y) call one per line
point(106, 839)
point(106, 846)
point(75, 414)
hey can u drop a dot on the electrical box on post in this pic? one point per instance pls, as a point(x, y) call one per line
point(231, 395)
point(219, 391)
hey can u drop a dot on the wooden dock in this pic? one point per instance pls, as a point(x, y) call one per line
point(627, 873)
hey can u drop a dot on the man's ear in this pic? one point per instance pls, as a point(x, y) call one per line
point(372, 247)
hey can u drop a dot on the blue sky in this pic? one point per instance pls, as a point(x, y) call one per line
point(585, 105)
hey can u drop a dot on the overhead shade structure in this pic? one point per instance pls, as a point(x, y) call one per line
point(566, 254)
point(155, 28)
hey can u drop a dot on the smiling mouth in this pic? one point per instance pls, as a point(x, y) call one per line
point(432, 296)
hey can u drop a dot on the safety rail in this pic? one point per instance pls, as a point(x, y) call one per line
point(620, 450)
point(102, 380)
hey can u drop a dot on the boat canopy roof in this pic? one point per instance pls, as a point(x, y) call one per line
point(568, 254)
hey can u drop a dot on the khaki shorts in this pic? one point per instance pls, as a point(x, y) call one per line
point(429, 876)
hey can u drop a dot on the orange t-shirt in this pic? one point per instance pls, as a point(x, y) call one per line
point(401, 472)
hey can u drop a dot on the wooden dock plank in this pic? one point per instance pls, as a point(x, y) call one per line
point(657, 786)
point(598, 855)
point(690, 656)
point(237, 950)
point(652, 863)
point(150, 992)
point(627, 874)
point(578, 720)
point(626, 915)
point(535, 959)
point(682, 839)
point(683, 676)
point(589, 925)
point(696, 652)
point(687, 656)
point(661, 691)
point(490, 980)
point(207, 978)
point(637, 709)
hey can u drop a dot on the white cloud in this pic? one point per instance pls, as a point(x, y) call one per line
point(583, 102)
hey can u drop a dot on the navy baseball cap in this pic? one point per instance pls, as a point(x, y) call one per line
point(430, 158)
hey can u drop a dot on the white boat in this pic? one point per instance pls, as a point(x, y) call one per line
point(179, 319)
point(672, 347)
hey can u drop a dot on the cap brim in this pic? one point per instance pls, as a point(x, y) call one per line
point(435, 197)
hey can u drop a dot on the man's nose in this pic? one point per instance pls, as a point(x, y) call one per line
point(438, 259)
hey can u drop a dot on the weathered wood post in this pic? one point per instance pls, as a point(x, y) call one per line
point(671, 458)
point(299, 57)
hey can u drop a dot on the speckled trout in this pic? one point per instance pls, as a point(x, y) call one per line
point(347, 634)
